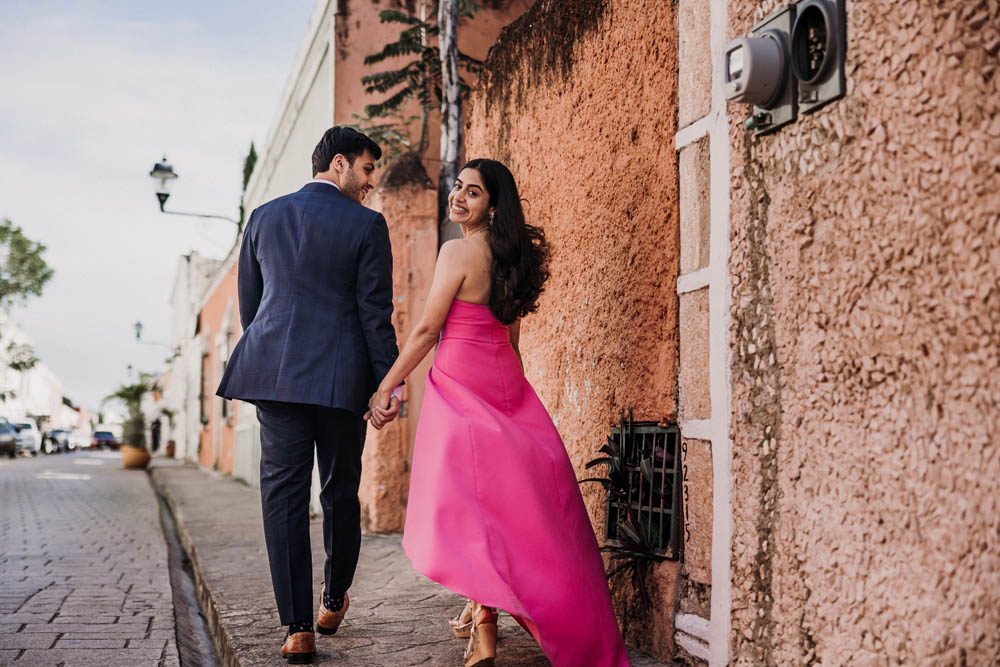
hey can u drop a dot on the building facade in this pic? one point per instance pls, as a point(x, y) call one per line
point(822, 325)
point(813, 312)
point(182, 383)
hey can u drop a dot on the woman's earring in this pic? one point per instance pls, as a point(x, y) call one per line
point(492, 216)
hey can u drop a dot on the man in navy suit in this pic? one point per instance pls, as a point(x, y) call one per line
point(315, 297)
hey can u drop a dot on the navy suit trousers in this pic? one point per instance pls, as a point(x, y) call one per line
point(288, 434)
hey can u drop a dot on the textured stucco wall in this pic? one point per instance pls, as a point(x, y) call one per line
point(579, 100)
point(409, 203)
point(866, 353)
point(360, 33)
point(218, 435)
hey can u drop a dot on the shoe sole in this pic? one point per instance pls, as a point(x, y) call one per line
point(326, 631)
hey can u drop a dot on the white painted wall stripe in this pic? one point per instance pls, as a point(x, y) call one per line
point(691, 282)
point(694, 625)
point(696, 648)
point(719, 352)
point(694, 131)
point(699, 429)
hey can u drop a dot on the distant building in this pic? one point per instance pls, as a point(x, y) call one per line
point(182, 382)
point(35, 393)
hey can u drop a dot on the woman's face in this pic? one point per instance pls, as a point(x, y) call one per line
point(468, 202)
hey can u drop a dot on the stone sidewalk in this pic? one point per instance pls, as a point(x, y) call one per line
point(397, 616)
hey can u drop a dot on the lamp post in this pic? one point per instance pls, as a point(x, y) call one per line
point(138, 338)
point(163, 176)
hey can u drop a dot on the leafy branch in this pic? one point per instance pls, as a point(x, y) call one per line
point(134, 428)
point(419, 78)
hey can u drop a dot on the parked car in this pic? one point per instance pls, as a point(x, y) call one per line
point(102, 439)
point(29, 439)
point(60, 439)
point(8, 438)
point(78, 440)
point(48, 445)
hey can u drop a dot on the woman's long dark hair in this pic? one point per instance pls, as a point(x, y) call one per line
point(520, 253)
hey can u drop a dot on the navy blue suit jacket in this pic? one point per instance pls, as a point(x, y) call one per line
point(315, 297)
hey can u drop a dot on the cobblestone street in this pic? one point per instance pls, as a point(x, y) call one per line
point(83, 566)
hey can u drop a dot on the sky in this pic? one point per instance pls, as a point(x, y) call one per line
point(92, 94)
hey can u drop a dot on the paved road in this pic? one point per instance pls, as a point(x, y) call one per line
point(83, 565)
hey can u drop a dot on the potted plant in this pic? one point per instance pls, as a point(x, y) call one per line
point(134, 452)
point(171, 445)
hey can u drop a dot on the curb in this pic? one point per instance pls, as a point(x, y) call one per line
point(220, 637)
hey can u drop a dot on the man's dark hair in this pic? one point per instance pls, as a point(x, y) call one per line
point(349, 143)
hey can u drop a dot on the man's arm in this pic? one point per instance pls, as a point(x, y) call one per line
point(374, 297)
point(250, 282)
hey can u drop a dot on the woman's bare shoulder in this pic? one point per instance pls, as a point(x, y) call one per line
point(466, 252)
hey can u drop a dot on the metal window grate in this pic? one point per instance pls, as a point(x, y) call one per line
point(651, 495)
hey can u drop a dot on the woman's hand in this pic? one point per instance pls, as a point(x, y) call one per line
point(382, 408)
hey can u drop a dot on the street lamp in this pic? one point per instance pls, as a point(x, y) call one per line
point(163, 176)
point(138, 338)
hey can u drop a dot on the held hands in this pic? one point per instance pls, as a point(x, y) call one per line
point(382, 408)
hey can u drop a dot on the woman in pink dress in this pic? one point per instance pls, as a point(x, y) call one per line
point(494, 511)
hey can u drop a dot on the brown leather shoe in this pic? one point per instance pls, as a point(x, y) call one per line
point(329, 621)
point(299, 648)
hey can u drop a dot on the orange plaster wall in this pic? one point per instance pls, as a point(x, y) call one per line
point(409, 204)
point(579, 100)
point(219, 454)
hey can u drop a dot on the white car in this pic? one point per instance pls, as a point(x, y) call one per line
point(29, 439)
point(78, 440)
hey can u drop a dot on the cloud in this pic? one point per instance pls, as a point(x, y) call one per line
point(91, 99)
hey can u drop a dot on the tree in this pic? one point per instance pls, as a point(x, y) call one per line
point(23, 274)
point(23, 270)
point(248, 165)
point(451, 110)
point(419, 78)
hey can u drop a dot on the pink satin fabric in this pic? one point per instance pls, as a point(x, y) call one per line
point(494, 511)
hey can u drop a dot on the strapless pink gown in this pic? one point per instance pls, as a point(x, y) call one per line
point(494, 512)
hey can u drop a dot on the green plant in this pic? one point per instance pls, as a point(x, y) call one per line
point(23, 274)
point(169, 414)
point(23, 270)
point(419, 78)
point(249, 162)
point(134, 428)
point(393, 137)
point(634, 551)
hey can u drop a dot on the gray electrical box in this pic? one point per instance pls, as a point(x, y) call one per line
point(757, 71)
point(818, 51)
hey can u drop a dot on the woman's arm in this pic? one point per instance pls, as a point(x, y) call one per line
point(449, 273)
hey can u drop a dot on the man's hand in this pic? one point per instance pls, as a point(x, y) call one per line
point(382, 408)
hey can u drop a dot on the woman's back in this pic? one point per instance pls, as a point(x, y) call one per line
point(476, 261)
